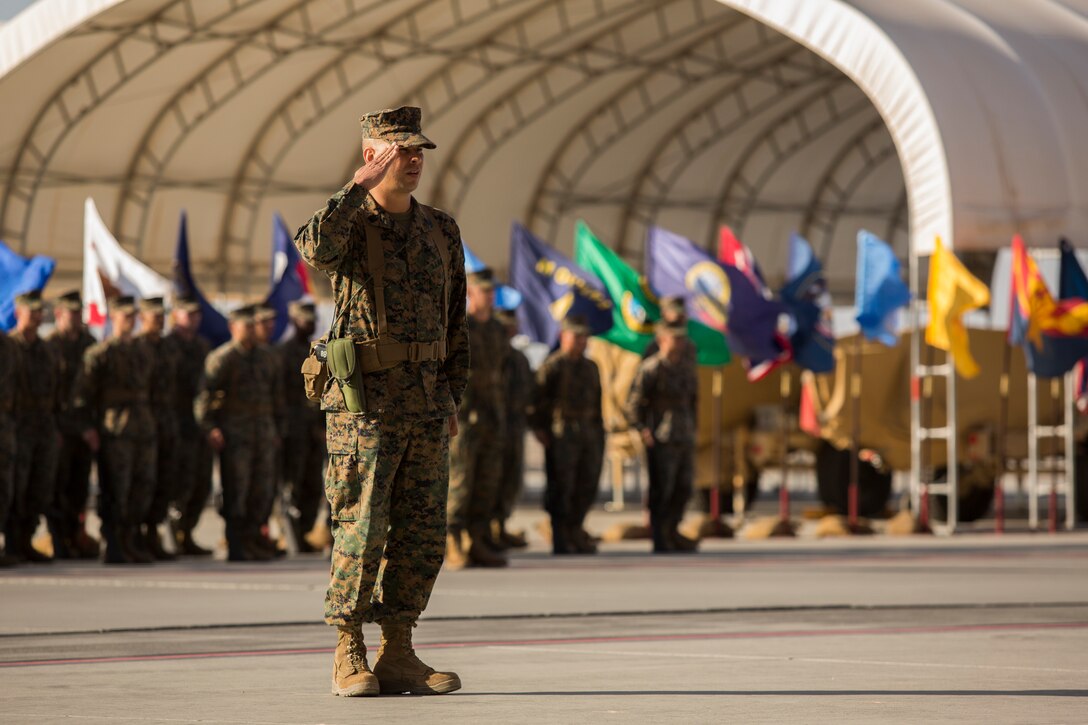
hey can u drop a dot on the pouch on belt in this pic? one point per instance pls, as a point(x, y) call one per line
point(347, 373)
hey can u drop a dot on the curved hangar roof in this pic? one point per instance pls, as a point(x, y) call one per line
point(954, 117)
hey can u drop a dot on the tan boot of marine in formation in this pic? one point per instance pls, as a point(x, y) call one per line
point(456, 556)
point(480, 553)
point(400, 671)
point(351, 675)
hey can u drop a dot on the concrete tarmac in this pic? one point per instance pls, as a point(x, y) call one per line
point(975, 628)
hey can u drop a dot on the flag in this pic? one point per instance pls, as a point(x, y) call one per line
point(952, 292)
point(213, 325)
point(109, 270)
point(552, 287)
point(805, 298)
point(880, 289)
point(290, 281)
point(1073, 283)
point(1054, 334)
point(754, 315)
point(19, 275)
point(506, 297)
point(634, 305)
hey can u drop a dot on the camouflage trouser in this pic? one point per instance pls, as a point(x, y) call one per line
point(193, 477)
point(126, 475)
point(475, 469)
point(247, 467)
point(73, 484)
point(36, 448)
point(167, 468)
point(513, 469)
point(573, 464)
point(302, 463)
point(7, 467)
point(672, 469)
point(386, 484)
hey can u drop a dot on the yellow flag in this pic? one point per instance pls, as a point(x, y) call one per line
point(952, 292)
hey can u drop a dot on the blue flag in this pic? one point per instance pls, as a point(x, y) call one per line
point(553, 286)
point(506, 298)
point(805, 297)
point(213, 325)
point(19, 275)
point(289, 279)
point(880, 289)
point(720, 296)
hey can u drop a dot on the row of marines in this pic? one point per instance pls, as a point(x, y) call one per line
point(153, 409)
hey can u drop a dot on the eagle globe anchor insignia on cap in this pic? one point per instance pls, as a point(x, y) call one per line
point(397, 125)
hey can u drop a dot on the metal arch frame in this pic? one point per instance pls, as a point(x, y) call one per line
point(842, 193)
point(556, 181)
point(717, 134)
point(736, 196)
point(138, 188)
point(452, 172)
point(899, 219)
point(476, 53)
point(148, 44)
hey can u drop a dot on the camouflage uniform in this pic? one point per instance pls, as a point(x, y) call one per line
point(75, 457)
point(237, 397)
point(9, 374)
point(662, 400)
point(163, 393)
point(113, 396)
point(568, 411)
point(388, 473)
point(192, 454)
point(37, 395)
point(476, 453)
point(304, 441)
point(520, 387)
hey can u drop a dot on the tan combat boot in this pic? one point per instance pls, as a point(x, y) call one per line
point(480, 554)
point(399, 670)
point(456, 557)
point(351, 675)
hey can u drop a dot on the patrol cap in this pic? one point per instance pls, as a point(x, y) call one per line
point(31, 300)
point(482, 278)
point(187, 303)
point(576, 323)
point(673, 329)
point(245, 313)
point(263, 313)
point(673, 304)
point(302, 310)
point(397, 125)
point(152, 304)
point(122, 303)
point(70, 300)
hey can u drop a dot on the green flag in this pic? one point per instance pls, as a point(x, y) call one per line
point(634, 306)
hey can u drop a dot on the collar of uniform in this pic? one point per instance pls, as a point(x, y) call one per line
point(378, 216)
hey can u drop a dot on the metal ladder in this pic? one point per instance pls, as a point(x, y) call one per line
point(1037, 433)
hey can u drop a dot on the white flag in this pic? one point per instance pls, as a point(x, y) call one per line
point(107, 265)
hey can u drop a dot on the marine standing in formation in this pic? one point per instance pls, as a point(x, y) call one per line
point(9, 382)
point(192, 452)
point(113, 407)
point(264, 327)
point(398, 362)
point(661, 407)
point(476, 454)
point(69, 341)
point(567, 421)
point(303, 457)
point(164, 376)
point(37, 395)
point(520, 385)
point(235, 407)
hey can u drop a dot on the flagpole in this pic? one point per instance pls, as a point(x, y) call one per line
point(1052, 500)
point(784, 527)
point(855, 392)
point(999, 441)
point(715, 528)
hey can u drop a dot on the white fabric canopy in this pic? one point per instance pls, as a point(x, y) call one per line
point(951, 117)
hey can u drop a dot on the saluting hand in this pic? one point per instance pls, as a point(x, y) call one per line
point(372, 172)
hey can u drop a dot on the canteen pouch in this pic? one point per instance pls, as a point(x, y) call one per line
point(345, 371)
point(315, 370)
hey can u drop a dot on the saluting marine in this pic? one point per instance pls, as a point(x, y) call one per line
point(398, 361)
